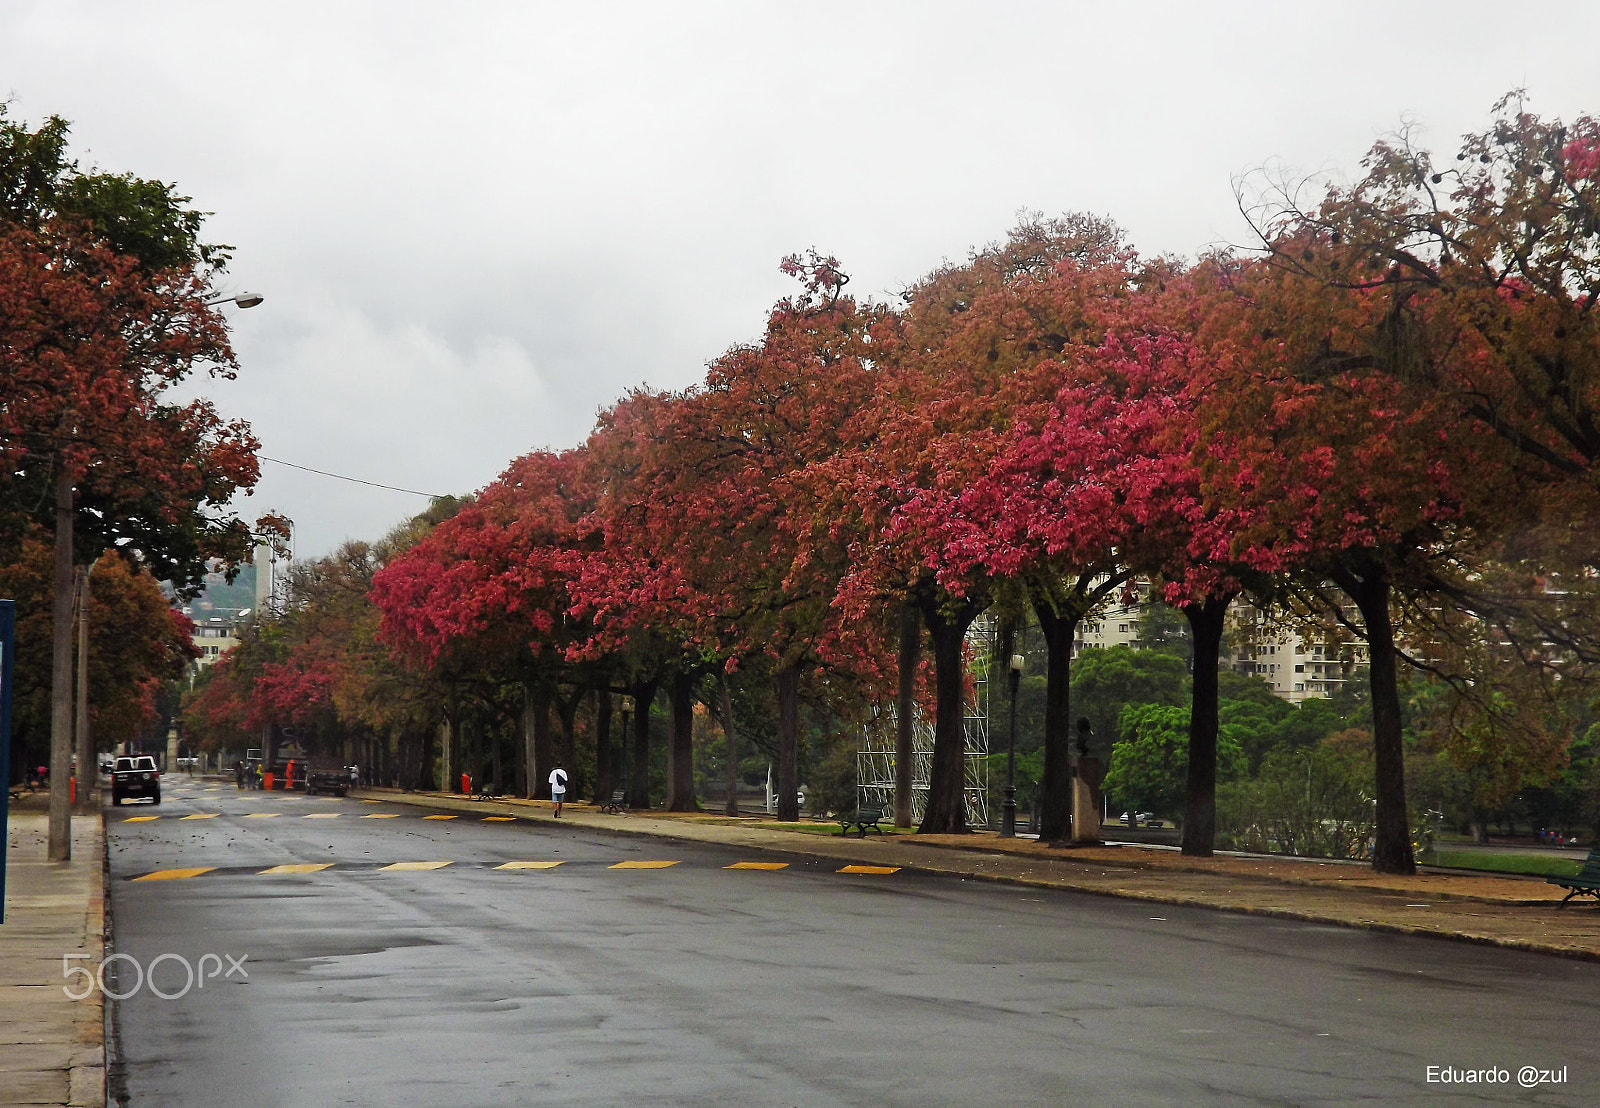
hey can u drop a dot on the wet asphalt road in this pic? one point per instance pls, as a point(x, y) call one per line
point(583, 984)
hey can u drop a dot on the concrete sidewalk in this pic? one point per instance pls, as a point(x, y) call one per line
point(1519, 913)
point(52, 1049)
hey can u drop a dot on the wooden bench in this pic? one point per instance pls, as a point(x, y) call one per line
point(618, 801)
point(865, 819)
point(1586, 883)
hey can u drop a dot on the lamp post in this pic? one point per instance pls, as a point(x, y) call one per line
point(1008, 810)
point(242, 299)
point(622, 768)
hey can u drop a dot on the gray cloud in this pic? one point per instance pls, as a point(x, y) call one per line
point(478, 224)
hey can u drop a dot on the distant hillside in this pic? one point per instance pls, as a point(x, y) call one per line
point(223, 599)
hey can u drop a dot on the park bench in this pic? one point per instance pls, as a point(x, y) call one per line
point(1587, 882)
point(865, 819)
point(618, 801)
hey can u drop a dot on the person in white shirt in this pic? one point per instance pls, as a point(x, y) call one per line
point(558, 787)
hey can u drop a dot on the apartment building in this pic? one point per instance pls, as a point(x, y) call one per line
point(1297, 667)
point(214, 637)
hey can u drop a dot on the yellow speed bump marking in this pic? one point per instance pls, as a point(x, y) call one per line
point(415, 865)
point(369, 800)
point(438, 817)
point(381, 815)
point(261, 815)
point(320, 815)
point(529, 865)
point(202, 815)
point(642, 865)
point(175, 874)
point(869, 869)
point(499, 819)
point(140, 819)
point(757, 865)
point(299, 867)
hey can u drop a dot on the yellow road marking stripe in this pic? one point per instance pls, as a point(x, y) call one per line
point(320, 815)
point(382, 815)
point(757, 865)
point(261, 815)
point(529, 865)
point(642, 865)
point(415, 865)
point(202, 815)
point(499, 819)
point(140, 819)
point(175, 874)
point(869, 869)
point(369, 800)
point(438, 817)
point(299, 867)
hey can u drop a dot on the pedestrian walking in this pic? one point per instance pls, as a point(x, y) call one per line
point(558, 787)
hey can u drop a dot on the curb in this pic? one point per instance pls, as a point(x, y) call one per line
point(427, 800)
point(86, 1079)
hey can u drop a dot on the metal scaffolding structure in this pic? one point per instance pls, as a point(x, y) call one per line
point(875, 761)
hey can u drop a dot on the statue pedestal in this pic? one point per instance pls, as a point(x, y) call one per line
point(1086, 800)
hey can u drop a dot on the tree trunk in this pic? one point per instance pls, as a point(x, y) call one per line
point(269, 747)
point(602, 746)
point(528, 755)
point(905, 719)
point(1055, 788)
point(946, 813)
point(644, 692)
point(446, 756)
point(60, 845)
point(426, 772)
point(88, 772)
point(544, 752)
point(1206, 621)
point(788, 679)
point(566, 756)
point(1370, 592)
point(496, 764)
point(731, 805)
point(680, 745)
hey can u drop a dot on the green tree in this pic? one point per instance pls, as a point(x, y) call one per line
point(1149, 762)
point(1315, 802)
point(1106, 681)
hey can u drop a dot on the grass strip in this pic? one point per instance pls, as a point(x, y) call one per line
point(1531, 864)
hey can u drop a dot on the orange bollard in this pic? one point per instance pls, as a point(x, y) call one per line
point(466, 782)
point(266, 782)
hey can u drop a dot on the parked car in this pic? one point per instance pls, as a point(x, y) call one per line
point(135, 776)
point(326, 777)
point(1141, 819)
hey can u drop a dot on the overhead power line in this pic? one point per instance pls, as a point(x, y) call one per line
point(352, 480)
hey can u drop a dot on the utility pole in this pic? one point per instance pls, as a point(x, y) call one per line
point(88, 772)
point(60, 845)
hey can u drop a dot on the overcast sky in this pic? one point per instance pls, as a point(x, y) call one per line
point(477, 224)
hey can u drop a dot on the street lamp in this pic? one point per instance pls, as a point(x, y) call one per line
point(1008, 810)
point(622, 767)
point(243, 300)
